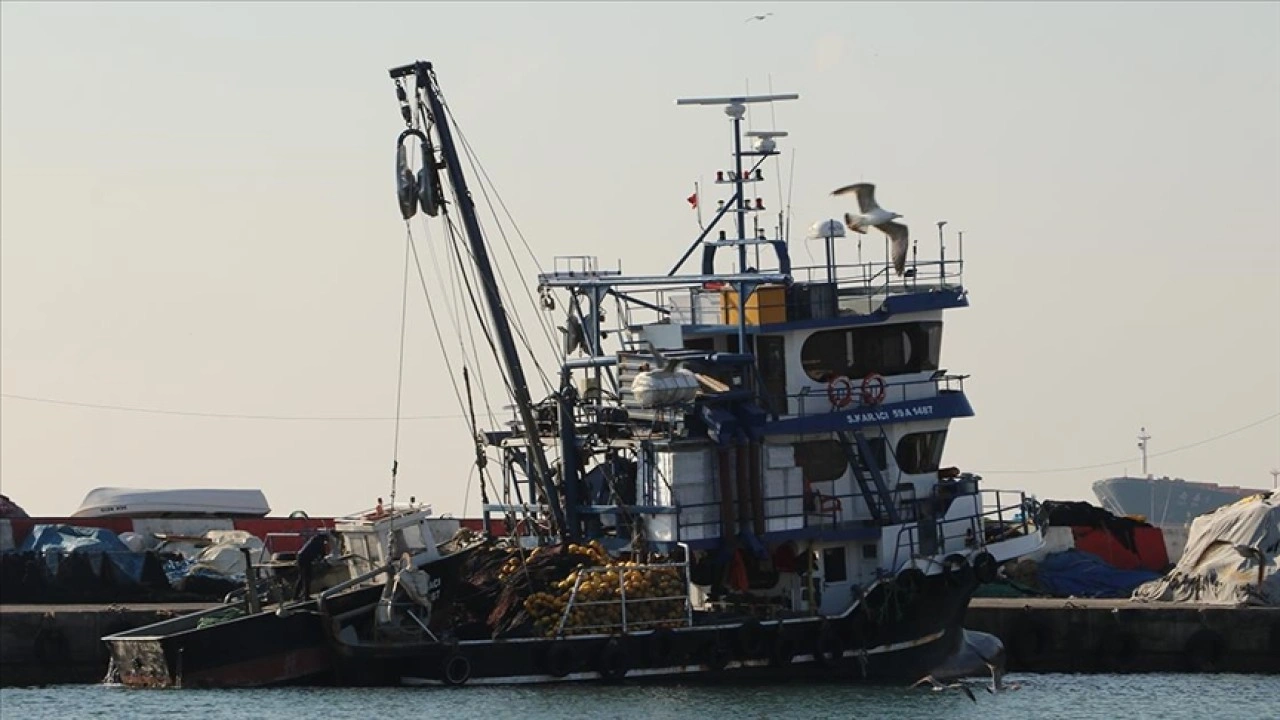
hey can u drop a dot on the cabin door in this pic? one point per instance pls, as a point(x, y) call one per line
point(836, 583)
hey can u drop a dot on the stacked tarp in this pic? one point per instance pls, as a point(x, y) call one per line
point(1075, 573)
point(54, 543)
point(1228, 550)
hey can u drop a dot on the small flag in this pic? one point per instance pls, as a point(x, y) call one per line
point(693, 200)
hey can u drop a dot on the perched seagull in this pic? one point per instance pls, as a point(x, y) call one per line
point(872, 215)
point(757, 17)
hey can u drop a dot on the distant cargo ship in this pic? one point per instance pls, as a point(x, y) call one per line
point(1166, 501)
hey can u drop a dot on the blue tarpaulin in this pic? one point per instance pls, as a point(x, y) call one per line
point(1076, 573)
point(99, 544)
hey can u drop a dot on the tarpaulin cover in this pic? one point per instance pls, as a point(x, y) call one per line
point(1147, 541)
point(1225, 551)
point(1075, 573)
point(54, 541)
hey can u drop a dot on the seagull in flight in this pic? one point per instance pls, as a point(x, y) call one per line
point(872, 215)
point(939, 687)
point(758, 17)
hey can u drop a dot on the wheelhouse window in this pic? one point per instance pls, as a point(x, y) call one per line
point(884, 349)
point(820, 460)
point(921, 452)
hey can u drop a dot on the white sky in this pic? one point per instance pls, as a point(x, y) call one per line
point(196, 214)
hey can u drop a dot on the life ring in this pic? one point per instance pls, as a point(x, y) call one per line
point(873, 389)
point(956, 570)
point(457, 669)
point(985, 567)
point(749, 640)
point(840, 391)
point(559, 659)
point(1203, 650)
point(659, 647)
point(614, 663)
point(828, 646)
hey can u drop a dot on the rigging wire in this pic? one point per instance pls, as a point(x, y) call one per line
point(1171, 451)
point(404, 312)
point(220, 416)
point(484, 185)
point(435, 326)
point(500, 287)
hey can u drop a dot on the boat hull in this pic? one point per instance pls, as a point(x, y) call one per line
point(259, 650)
point(890, 638)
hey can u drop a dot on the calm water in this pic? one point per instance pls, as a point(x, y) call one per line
point(1091, 697)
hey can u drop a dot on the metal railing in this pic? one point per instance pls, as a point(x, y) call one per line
point(998, 519)
point(895, 391)
point(622, 602)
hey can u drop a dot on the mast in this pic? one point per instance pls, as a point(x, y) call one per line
point(1143, 437)
point(425, 79)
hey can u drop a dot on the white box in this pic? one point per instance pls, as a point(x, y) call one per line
point(775, 508)
point(775, 524)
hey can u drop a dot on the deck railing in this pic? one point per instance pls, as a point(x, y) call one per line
point(999, 518)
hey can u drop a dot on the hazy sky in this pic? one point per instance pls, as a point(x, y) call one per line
point(197, 215)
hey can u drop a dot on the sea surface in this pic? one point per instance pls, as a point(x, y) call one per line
point(1091, 697)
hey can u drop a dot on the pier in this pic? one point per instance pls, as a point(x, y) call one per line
point(1115, 636)
point(61, 644)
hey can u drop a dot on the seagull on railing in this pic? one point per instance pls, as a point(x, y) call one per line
point(872, 215)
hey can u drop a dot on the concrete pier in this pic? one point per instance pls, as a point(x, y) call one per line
point(1109, 636)
point(58, 644)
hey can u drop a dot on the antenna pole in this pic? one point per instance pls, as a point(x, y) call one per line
point(1143, 437)
point(498, 313)
point(1275, 479)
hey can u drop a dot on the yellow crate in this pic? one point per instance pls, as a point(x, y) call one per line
point(765, 306)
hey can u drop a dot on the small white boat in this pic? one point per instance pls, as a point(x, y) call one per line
point(132, 502)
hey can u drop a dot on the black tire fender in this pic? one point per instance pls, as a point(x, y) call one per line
point(784, 648)
point(560, 659)
point(985, 567)
point(614, 662)
point(828, 646)
point(956, 569)
point(456, 669)
point(749, 640)
point(660, 648)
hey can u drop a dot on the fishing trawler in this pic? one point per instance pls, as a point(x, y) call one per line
point(739, 475)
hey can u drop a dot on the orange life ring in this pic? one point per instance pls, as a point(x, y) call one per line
point(873, 389)
point(840, 391)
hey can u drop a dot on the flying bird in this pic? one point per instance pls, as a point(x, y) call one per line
point(939, 687)
point(757, 17)
point(872, 215)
